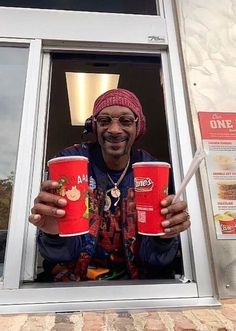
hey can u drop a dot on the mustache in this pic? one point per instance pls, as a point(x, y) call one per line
point(114, 138)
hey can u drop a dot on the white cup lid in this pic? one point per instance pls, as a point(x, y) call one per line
point(151, 164)
point(67, 158)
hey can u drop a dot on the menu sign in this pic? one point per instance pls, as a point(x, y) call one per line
point(218, 132)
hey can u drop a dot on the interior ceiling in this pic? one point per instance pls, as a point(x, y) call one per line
point(139, 74)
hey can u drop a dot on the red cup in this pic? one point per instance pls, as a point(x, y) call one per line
point(72, 174)
point(151, 181)
point(228, 227)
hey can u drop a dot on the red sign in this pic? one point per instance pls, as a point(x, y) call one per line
point(217, 126)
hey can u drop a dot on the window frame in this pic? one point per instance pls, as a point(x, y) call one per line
point(19, 264)
point(23, 177)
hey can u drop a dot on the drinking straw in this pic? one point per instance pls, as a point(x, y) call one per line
point(197, 159)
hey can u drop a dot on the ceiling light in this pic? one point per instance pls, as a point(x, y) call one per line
point(83, 89)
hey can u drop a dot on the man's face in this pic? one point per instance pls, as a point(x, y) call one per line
point(116, 137)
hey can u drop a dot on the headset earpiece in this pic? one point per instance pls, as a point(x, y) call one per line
point(88, 125)
point(88, 129)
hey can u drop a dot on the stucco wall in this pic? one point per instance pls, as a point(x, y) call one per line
point(208, 39)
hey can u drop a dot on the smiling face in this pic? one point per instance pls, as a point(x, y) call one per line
point(116, 139)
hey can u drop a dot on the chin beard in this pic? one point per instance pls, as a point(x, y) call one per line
point(124, 150)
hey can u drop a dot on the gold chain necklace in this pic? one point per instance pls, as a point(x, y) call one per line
point(115, 192)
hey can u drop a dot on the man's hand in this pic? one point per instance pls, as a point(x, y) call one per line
point(177, 217)
point(47, 208)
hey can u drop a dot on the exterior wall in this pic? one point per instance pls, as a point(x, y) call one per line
point(208, 39)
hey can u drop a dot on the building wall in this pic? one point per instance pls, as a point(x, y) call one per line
point(208, 40)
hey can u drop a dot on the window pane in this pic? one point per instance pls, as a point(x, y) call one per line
point(147, 7)
point(13, 65)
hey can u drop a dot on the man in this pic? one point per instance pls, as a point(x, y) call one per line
point(112, 249)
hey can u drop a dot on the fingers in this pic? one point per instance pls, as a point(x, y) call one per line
point(46, 224)
point(47, 210)
point(177, 218)
point(47, 204)
point(167, 201)
point(50, 199)
point(174, 208)
point(49, 185)
point(36, 220)
point(176, 224)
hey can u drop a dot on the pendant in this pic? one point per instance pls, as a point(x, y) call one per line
point(115, 192)
point(107, 205)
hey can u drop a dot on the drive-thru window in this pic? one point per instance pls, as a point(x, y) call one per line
point(37, 55)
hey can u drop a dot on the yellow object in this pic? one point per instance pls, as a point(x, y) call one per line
point(86, 213)
point(95, 273)
point(227, 216)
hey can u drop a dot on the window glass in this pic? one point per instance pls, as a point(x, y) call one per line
point(147, 7)
point(13, 65)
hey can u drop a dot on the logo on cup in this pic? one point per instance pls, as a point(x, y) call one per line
point(142, 184)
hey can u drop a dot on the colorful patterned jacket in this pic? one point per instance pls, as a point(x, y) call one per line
point(112, 242)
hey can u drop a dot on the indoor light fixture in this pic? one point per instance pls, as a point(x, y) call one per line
point(83, 89)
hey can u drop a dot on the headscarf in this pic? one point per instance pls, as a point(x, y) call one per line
point(125, 98)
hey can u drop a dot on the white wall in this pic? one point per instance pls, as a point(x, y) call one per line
point(208, 38)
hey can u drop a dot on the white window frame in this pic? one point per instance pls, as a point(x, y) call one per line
point(20, 43)
point(22, 184)
point(153, 35)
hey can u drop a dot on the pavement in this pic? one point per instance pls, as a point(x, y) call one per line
point(213, 319)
